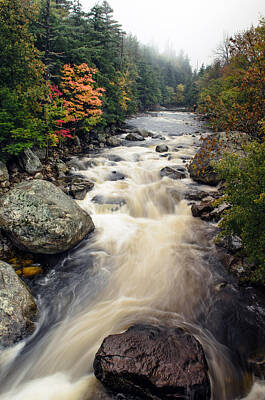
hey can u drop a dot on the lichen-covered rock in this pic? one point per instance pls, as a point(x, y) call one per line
point(17, 307)
point(4, 176)
point(40, 218)
point(211, 151)
point(29, 161)
point(154, 363)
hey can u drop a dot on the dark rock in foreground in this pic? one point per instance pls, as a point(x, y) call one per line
point(17, 307)
point(40, 218)
point(153, 363)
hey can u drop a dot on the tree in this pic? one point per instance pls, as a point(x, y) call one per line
point(22, 89)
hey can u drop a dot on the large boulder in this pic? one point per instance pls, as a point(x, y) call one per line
point(17, 307)
point(153, 363)
point(29, 161)
point(40, 218)
point(4, 176)
point(212, 149)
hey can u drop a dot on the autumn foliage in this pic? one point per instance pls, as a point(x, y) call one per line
point(81, 97)
point(235, 98)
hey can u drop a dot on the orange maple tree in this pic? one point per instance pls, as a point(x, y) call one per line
point(82, 99)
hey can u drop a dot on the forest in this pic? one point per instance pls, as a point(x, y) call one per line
point(52, 49)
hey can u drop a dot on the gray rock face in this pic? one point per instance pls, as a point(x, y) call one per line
point(162, 148)
point(211, 151)
point(4, 176)
point(29, 162)
point(40, 218)
point(133, 136)
point(153, 363)
point(17, 307)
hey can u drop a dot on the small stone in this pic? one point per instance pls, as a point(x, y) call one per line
point(31, 271)
point(38, 175)
point(162, 148)
point(5, 184)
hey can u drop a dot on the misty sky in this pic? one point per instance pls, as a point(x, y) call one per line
point(196, 26)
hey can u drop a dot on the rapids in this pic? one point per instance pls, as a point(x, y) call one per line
point(148, 261)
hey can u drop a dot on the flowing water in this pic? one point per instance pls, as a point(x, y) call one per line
point(148, 261)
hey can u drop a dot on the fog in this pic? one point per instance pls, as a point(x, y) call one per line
point(196, 26)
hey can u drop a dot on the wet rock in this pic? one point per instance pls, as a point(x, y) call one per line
point(40, 218)
point(162, 148)
point(4, 176)
point(196, 195)
point(113, 141)
point(17, 307)
point(143, 132)
point(153, 363)
point(116, 176)
point(79, 187)
point(216, 214)
point(235, 317)
point(211, 151)
point(106, 200)
point(172, 173)
point(157, 136)
point(133, 136)
point(29, 162)
point(115, 158)
point(231, 243)
point(202, 210)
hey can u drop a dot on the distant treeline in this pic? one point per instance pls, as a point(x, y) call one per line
point(39, 38)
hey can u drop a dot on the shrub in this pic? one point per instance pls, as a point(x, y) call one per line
point(245, 191)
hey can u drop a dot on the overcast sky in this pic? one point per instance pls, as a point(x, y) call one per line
point(196, 26)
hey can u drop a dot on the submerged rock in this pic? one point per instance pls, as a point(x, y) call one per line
point(116, 176)
point(29, 162)
point(17, 307)
point(153, 363)
point(40, 218)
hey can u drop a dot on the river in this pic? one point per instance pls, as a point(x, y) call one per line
point(148, 261)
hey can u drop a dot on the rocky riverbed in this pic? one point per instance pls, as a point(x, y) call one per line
point(149, 266)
